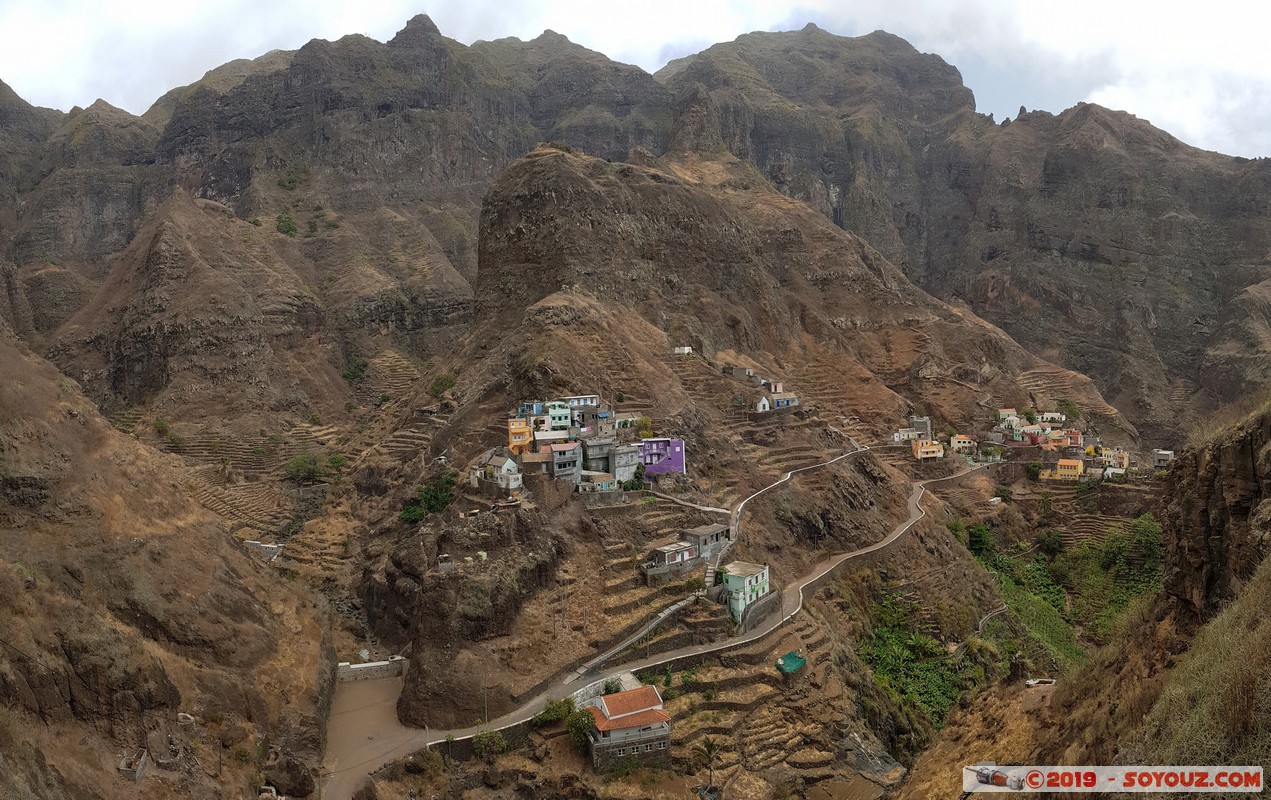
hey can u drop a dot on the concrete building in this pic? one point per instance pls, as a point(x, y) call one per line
point(545, 437)
point(922, 425)
point(595, 421)
point(707, 538)
point(625, 461)
point(763, 404)
point(670, 560)
point(630, 724)
point(683, 350)
point(567, 461)
point(579, 400)
point(1052, 416)
point(593, 481)
point(598, 454)
point(661, 456)
point(744, 584)
point(739, 372)
point(1005, 413)
point(1162, 458)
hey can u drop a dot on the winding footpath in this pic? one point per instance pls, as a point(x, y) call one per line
point(361, 754)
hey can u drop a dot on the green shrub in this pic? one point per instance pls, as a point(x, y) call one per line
point(1033, 469)
point(612, 686)
point(337, 462)
point(293, 177)
point(442, 384)
point(980, 539)
point(1003, 492)
point(286, 225)
point(553, 712)
point(355, 371)
point(433, 497)
point(161, 428)
point(580, 725)
point(488, 744)
point(304, 469)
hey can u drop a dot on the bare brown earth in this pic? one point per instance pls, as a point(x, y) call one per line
point(125, 603)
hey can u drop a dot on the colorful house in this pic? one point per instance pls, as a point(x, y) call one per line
point(629, 725)
point(1005, 413)
point(927, 450)
point(744, 585)
point(559, 416)
point(520, 437)
point(1069, 469)
point(531, 408)
point(661, 456)
point(593, 481)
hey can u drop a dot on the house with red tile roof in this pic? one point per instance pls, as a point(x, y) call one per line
point(630, 725)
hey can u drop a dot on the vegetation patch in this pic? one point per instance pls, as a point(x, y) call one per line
point(433, 497)
point(913, 667)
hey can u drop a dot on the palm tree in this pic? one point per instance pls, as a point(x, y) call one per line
point(705, 752)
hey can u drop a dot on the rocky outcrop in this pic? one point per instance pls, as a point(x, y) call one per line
point(1218, 521)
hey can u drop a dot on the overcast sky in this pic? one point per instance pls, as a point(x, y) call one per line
point(1198, 70)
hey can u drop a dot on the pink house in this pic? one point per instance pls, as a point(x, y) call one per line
point(661, 456)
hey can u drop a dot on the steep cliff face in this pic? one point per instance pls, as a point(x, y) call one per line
point(1218, 521)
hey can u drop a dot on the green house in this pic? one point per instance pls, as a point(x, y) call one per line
point(744, 584)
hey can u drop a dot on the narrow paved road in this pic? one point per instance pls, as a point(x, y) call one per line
point(357, 705)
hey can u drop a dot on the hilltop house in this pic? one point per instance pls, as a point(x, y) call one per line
point(597, 420)
point(763, 404)
point(593, 481)
point(559, 416)
point(661, 456)
point(739, 372)
point(1115, 458)
point(630, 724)
point(1006, 413)
point(1162, 458)
point(1052, 416)
point(682, 350)
point(597, 454)
point(927, 450)
point(776, 387)
point(744, 585)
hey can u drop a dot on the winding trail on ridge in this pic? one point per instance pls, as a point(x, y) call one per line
point(358, 707)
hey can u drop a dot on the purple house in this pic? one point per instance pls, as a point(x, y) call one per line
point(660, 456)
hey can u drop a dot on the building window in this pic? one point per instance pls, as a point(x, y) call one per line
point(648, 748)
point(661, 745)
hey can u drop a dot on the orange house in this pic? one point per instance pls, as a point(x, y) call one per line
point(1069, 469)
point(925, 449)
point(519, 435)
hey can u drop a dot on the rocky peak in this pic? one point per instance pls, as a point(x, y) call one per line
point(420, 31)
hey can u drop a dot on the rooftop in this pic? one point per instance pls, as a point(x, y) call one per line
point(631, 701)
point(744, 569)
point(674, 547)
point(706, 530)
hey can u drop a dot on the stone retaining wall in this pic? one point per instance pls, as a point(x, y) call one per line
point(375, 670)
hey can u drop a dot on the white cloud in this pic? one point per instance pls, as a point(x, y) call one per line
point(1197, 71)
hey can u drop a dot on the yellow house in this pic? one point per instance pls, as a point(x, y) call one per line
point(925, 449)
point(519, 435)
point(1069, 469)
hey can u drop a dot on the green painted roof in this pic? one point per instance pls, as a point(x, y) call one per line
point(791, 662)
